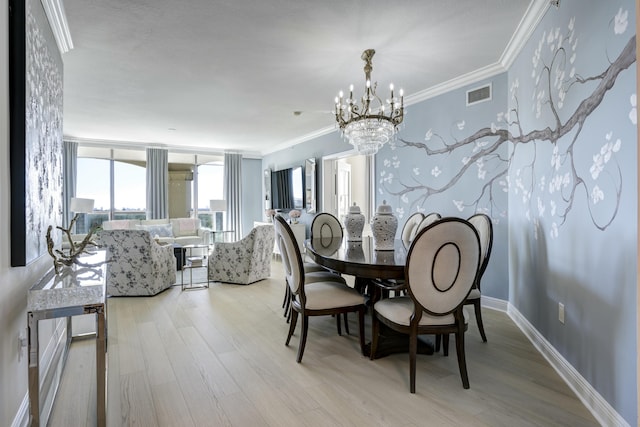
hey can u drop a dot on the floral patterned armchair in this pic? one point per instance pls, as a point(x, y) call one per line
point(245, 261)
point(139, 265)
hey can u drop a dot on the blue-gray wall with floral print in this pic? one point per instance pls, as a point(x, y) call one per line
point(552, 158)
point(573, 191)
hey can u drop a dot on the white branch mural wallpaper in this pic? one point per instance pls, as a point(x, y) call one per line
point(486, 153)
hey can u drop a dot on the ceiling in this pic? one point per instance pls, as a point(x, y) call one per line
point(228, 75)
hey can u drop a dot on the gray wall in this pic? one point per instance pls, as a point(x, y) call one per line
point(14, 282)
point(573, 199)
point(450, 180)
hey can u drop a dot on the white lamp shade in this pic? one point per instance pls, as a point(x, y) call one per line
point(218, 205)
point(79, 205)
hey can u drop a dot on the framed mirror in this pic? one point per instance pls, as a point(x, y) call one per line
point(267, 188)
point(310, 185)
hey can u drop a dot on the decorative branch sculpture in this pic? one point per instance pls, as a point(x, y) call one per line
point(61, 258)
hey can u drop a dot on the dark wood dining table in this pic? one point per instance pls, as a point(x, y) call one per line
point(370, 268)
point(358, 259)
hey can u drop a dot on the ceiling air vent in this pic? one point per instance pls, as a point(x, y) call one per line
point(479, 94)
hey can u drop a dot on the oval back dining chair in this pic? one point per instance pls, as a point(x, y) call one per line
point(326, 226)
point(410, 228)
point(441, 267)
point(319, 298)
point(484, 227)
point(428, 219)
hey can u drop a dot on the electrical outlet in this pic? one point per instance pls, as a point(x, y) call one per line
point(561, 312)
point(22, 344)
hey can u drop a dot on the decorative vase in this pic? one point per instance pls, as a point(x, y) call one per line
point(354, 223)
point(355, 252)
point(383, 227)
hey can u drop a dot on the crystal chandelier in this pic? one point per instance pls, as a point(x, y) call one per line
point(372, 123)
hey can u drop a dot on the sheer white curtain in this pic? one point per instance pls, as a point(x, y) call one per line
point(70, 174)
point(157, 183)
point(233, 192)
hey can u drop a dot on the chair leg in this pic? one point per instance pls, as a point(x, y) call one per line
point(476, 308)
point(438, 341)
point(287, 301)
point(286, 297)
point(375, 331)
point(338, 324)
point(303, 337)
point(292, 325)
point(413, 350)
point(462, 363)
point(361, 328)
point(346, 323)
point(445, 344)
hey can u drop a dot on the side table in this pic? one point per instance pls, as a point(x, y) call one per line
point(222, 233)
point(74, 291)
point(194, 261)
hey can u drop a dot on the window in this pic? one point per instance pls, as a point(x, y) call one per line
point(210, 187)
point(94, 182)
point(129, 195)
point(116, 179)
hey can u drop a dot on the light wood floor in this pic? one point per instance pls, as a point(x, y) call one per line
point(217, 357)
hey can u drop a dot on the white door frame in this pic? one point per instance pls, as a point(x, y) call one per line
point(328, 196)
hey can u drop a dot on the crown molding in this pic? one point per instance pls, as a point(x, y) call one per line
point(54, 9)
point(455, 83)
point(527, 25)
point(304, 138)
point(529, 22)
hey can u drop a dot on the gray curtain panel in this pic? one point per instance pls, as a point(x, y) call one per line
point(233, 192)
point(70, 174)
point(157, 183)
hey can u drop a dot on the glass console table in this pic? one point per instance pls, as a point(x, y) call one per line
point(75, 291)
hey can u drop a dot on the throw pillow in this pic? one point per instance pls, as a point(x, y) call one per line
point(185, 226)
point(163, 230)
point(118, 224)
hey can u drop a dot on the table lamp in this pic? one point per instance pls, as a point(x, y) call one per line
point(79, 205)
point(217, 205)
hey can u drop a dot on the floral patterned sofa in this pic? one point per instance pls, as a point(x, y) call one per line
point(245, 261)
point(139, 265)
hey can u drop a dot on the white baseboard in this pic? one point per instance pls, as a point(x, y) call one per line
point(599, 407)
point(22, 417)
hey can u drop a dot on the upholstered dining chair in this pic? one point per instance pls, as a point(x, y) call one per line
point(313, 273)
point(484, 227)
point(409, 231)
point(319, 298)
point(441, 267)
point(326, 227)
point(410, 228)
point(428, 219)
